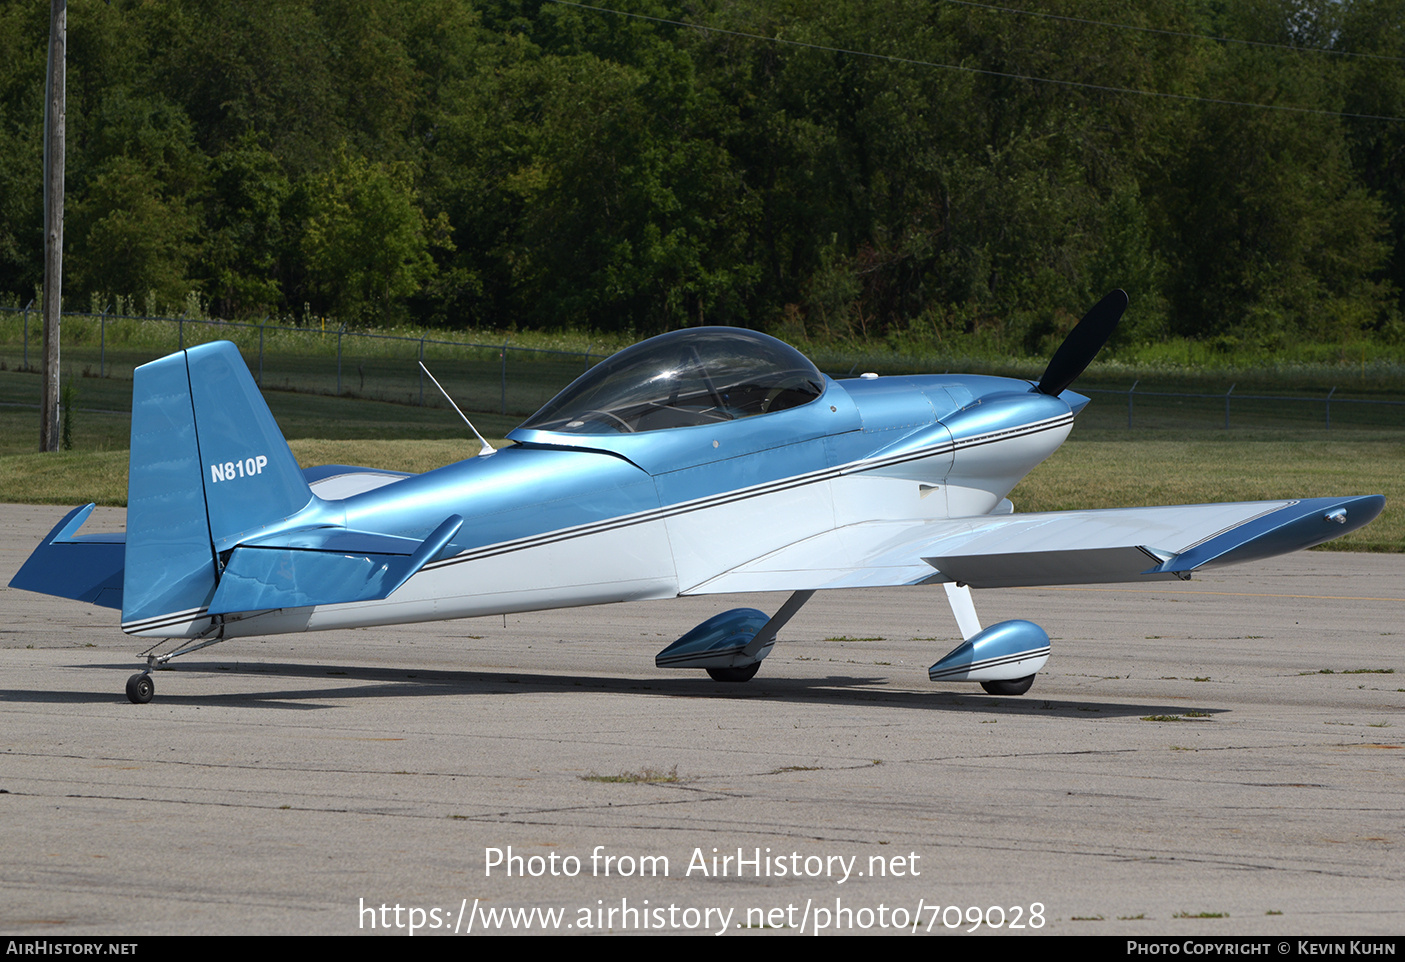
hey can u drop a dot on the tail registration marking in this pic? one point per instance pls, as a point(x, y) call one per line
point(230, 470)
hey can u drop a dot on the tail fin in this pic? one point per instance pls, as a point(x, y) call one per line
point(208, 467)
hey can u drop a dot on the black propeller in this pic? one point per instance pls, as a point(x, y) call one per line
point(1083, 343)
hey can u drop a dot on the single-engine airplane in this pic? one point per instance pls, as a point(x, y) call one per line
point(703, 461)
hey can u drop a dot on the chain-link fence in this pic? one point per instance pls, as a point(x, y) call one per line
point(515, 381)
point(499, 378)
point(1153, 410)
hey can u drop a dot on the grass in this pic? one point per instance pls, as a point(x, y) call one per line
point(1082, 474)
point(1275, 449)
point(1186, 468)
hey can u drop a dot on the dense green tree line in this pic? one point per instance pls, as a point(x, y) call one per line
point(523, 162)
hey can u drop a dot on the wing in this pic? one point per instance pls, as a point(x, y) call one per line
point(1049, 548)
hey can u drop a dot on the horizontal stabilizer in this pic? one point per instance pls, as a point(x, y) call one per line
point(68, 565)
point(335, 482)
point(323, 566)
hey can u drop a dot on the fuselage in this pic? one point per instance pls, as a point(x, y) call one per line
point(561, 519)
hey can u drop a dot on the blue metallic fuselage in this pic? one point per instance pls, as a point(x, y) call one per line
point(548, 482)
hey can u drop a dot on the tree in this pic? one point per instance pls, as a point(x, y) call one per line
point(366, 244)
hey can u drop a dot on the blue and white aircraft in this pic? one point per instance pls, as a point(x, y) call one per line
point(704, 461)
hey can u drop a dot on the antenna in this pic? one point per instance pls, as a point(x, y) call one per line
point(487, 448)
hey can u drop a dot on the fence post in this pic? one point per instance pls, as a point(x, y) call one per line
point(262, 322)
point(102, 339)
point(339, 333)
point(1226, 405)
point(421, 372)
point(1129, 402)
point(180, 333)
point(587, 356)
point(504, 377)
point(26, 332)
point(1329, 407)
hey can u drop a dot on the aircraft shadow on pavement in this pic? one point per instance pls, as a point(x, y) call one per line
point(182, 686)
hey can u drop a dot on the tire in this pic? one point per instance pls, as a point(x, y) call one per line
point(1017, 687)
point(140, 688)
point(735, 674)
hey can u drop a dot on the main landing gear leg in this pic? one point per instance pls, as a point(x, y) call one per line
point(764, 639)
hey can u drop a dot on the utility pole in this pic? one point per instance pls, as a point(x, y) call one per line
point(55, 107)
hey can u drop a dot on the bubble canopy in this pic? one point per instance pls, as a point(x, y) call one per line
point(697, 376)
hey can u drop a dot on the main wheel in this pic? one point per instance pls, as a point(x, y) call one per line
point(735, 674)
point(1017, 687)
point(140, 688)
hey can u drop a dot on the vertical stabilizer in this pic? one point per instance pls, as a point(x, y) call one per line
point(208, 465)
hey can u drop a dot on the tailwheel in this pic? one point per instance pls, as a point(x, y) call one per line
point(735, 674)
point(140, 688)
point(1017, 687)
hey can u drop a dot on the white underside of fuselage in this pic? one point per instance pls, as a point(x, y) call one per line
point(674, 550)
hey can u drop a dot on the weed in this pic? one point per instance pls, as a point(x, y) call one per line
point(66, 400)
point(1201, 915)
point(644, 776)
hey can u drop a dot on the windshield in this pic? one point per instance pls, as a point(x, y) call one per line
point(697, 376)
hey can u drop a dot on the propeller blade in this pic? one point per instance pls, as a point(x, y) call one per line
point(1083, 343)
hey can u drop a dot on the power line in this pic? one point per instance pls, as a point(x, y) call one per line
point(1175, 33)
point(977, 70)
